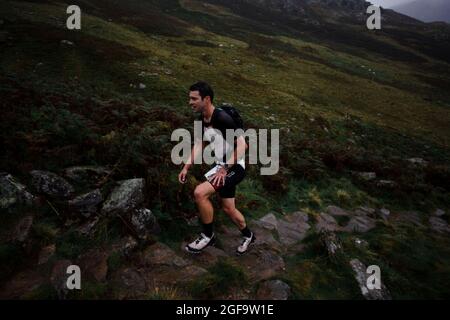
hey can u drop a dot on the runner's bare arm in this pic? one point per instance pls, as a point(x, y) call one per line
point(241, 147)
point(195, 152)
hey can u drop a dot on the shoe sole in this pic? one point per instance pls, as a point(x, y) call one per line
point(211, 243)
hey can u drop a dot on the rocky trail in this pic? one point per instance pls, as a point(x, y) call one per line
point(151, 268)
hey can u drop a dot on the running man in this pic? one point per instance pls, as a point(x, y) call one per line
point(225, 174)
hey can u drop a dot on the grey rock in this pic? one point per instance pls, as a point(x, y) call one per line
point(262, 264)
point(264, 238)
point(144, 222)
point(87, 204)
point(94, 264)
point(362, 276)
point(365, 211)
point(439, 225)
point(269, 221)
point(51, 184)
point(386, 183)
point(13, 193)
point(439, 213)
point(129, 283)
point(418, 162)
point(166, 268)
point(293, 228)
point(208, 258)
point(125, 197)
point(336, 211)
point(325, 222)
point(177, 276)
point(89, 174)
point(273, 290)
point(159, 254)
point(360, 223)
point(384, 213)
point(367, 176)
point(67, 42)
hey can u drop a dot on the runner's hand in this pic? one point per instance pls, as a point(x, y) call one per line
point(182, 176)
point(219, 177)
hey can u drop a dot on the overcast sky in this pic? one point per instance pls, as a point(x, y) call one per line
point(389, 3)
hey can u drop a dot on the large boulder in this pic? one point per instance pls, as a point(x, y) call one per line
point(129, 283)
point(325, 222)
point(94, 264)
point(384, 213)
point(269, 221)
point(89, 174)
point(144, 223)
point(128, 195)
point(159, 254)
point(360, 223)
point(418, 162)
point(51, 184)
point(336, 211)
point(208, 258)
point(12, 192)
point(166, 268)
point(361, 276)
point(87, 204)
point(273, 290)
point(439, 225)
point(367, 176)
point(293, 228)
point(262, 264)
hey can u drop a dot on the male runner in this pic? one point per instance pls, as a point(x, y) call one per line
point(224, 176)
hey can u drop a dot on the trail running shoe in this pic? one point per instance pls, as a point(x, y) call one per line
point(245, 244)
point(200, 243)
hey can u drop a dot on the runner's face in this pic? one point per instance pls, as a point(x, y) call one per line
point(196, 102)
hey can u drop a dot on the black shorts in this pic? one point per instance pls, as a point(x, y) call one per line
point(235, 174)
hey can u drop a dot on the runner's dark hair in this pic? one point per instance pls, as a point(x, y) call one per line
point(204, 89)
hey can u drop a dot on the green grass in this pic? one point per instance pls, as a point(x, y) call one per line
point(311, 275)
point(222, 277)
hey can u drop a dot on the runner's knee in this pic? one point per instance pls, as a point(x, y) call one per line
point(200, 194)
point(229, 210)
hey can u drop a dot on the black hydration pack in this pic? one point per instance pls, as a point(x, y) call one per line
point(234, 114)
